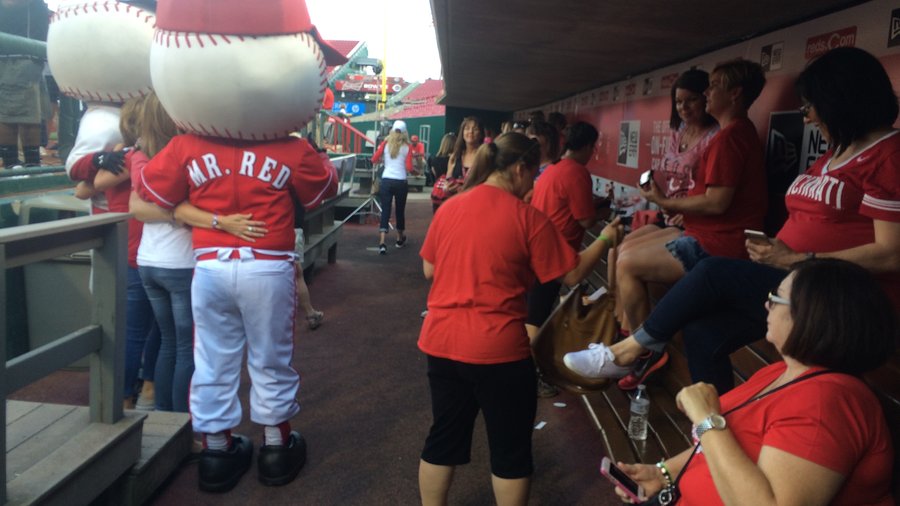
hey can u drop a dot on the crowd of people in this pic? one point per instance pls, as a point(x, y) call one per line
point(823, 292)
point(510, 216)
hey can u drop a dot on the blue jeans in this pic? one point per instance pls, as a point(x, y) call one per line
point(396, 189)
point(687, 250)
point(141, 335)
point(719, 307)
point(169, 291)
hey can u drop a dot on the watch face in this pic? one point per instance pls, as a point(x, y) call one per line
point(717, 421)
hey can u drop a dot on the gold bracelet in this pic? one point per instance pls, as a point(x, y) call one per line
point(665, 472)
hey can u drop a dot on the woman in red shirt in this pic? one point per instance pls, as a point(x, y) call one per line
point(483, 251)
point(809, 417)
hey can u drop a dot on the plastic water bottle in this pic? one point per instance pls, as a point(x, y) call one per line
point(640, 407)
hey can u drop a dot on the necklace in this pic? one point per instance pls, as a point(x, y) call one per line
point(686, 140)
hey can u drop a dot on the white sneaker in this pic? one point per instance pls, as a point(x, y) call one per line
point(595, 362)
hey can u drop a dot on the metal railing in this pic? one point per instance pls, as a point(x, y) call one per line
point(106, 235)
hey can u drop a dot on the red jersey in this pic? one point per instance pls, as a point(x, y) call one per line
point(832, 207)
point(116, 198)
point(563, 193)
point(487, 248)
point(833, 420)
point(733, 159)
point(225, 177)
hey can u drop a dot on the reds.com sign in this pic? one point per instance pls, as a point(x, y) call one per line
point(821, 44)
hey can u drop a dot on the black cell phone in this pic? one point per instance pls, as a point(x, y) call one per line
point(626, 220)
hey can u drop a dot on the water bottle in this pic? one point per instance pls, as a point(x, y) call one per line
point(640, 407)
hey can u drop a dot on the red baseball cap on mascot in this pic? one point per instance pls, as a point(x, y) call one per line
point(243, 17)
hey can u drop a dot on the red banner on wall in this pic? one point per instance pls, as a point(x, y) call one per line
point(821, 44)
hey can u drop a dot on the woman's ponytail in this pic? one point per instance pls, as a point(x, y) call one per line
point(503, 152)
point(485, 164)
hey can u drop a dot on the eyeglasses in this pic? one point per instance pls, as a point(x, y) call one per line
point(774, 299)
point(804, 109)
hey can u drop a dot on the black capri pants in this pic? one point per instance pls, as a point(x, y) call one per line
point(504, 393)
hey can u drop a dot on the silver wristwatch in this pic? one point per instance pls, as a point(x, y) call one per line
point(711, 422)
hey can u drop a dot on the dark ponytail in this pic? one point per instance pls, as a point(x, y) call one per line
point(502, 153)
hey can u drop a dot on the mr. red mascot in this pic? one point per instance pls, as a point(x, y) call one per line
point(240, 77)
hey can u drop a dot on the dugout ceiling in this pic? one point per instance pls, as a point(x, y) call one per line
point(509, 55)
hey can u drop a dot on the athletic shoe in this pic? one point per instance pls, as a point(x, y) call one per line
point(595, 362)
point(401, 242)
point(221, 470)
point(382, 249)
point(643, 366)
point(144, 404)
point(314, 320)
point(279, 465)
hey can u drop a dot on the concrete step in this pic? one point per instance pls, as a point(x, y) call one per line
point(165, 444)
point(55, 455)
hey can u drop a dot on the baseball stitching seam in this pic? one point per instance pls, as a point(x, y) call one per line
point(88, 8)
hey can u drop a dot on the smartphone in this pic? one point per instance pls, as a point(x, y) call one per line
point(756, 236)
point(620, 479)
point(645, 179)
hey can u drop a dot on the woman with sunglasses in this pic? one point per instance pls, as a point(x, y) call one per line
point(846, 205)
point(478, 354)
point(810, 416)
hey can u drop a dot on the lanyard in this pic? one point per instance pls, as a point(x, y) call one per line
point(670, 494)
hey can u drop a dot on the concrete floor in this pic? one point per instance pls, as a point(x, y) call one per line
point(364, 397)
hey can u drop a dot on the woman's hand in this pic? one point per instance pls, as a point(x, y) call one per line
point(652, 193)
point(615, 231)
point(773, 252)
point(241, 226)
point(647, 476)
point(676, 220)
point(698, 401)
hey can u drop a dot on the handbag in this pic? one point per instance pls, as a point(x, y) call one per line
point(439, 192)
point(572, 326)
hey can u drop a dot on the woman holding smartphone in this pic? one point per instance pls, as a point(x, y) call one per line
point(846, 205)
point(809, 416)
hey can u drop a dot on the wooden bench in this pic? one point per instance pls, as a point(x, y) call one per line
point(669, 430)
point(321, 233)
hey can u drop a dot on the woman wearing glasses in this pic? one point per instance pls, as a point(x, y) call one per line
point(846, 205)
point(810, 416)
point(478, 354)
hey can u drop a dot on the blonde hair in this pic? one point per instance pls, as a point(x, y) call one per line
point(446, 145)
point(130, 120)
point(157, 127)
point(395, 141)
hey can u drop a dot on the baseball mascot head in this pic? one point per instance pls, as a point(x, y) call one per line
point(238, 69)
point(99, 51)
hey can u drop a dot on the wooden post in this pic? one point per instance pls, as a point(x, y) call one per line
point(108, 363)
point(3, 338)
